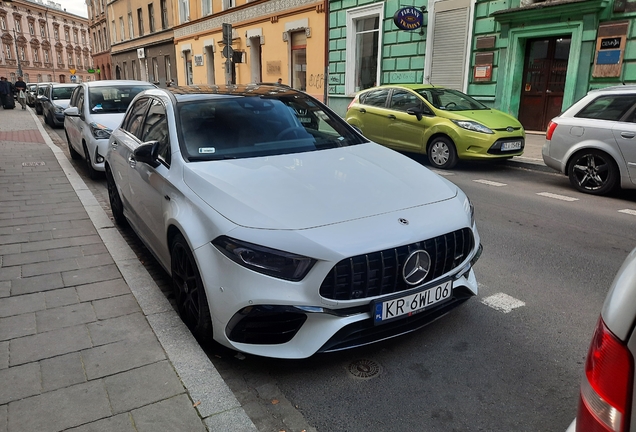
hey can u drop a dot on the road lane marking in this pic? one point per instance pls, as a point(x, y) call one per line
point(502, 302)
point(628, 211)
point(555, 196)
point(490, 183)
point(443, 173)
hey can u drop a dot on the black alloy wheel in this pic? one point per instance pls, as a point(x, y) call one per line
point(189, 293)
point(92, 173)
point(593, 171)
point(442, 153)
point(116, 205)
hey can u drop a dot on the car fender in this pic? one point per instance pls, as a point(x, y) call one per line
point(437, 130)
point(597, 145)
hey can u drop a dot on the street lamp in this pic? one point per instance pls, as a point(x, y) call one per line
point(17, 53)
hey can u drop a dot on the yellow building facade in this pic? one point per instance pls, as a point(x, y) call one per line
point(271, 39)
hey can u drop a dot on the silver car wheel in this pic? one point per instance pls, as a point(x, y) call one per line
point(442, 153)
point(439, 153)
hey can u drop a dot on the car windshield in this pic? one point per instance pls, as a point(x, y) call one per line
point(115, 99)
point(62, 92)
point(241, 127)
point(450, 100)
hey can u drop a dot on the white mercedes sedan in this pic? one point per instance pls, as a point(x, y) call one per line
point(285, 231)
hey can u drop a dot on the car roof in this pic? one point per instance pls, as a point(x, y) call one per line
point(64, 84)
point(405, 86)
point(110, 83)
point(620, 88)
point(199, 92)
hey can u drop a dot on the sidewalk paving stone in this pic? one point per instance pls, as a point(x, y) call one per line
point(61, 297)
point(17, 326)
point(95, 274)
point(62, 371)
point(116, 306)
point(167, 416)
point(20, 382)
point(100, 290)
point(22, 304)
point(20, 285)
point(50, 344)
point(65, 316)
point(123, 327)
point(119, 423)
point(4, 355)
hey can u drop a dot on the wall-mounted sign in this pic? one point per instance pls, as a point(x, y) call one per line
point(608, 57)
point(141, 53)
point(482, 72)
point(408, 18)
point(198, 59)
point(91, 71)
point(610, 43)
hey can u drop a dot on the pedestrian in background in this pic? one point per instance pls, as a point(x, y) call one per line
point(4, 90)
point(21, 88)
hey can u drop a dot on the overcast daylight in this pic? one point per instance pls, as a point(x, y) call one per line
point(77, 7)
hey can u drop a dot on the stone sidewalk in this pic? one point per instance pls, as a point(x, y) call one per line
point(88, 342)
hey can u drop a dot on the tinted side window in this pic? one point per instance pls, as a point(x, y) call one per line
point(155, 128)
point(134, 118)
point(375, 97)
point(80, 100)
point(401, 100)
point(609, 107)
point(73, 101)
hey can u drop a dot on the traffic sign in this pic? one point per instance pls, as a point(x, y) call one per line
point(72, 71)
point(73, 78)
point(228, 51)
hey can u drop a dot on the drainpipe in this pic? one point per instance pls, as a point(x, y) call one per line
point(326, 75)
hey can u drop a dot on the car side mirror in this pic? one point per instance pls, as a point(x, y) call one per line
point(148, 153)
point(415, 112)
point(71, 112)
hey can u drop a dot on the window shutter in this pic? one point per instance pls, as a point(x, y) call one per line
point(449, 47)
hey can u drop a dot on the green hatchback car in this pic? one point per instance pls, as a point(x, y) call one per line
point(445, 124)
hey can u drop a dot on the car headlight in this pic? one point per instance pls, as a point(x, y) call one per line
point(100, 131)
point(272, 262)
point(469, 208)
point(472, 126)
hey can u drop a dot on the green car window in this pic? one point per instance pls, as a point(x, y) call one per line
point(450, 100)
point(401, 100)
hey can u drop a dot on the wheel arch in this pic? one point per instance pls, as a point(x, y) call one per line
point(438, 135)
point(613, 153)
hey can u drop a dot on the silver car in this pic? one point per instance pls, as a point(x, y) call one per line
point(54, 101)
point(594, 141)
point(607, 399)
point(95, 109)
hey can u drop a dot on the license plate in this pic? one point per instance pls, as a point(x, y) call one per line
point(388, 310)
point(511, 145)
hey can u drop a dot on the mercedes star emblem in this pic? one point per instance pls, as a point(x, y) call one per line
point(416, 267)
point(403, 221)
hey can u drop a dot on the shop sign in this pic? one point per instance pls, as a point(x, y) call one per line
point(91, 71)
point(408, 18)
point(610, 43)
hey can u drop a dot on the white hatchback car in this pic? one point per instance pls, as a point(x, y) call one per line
point(284, 230)
point(95, 109)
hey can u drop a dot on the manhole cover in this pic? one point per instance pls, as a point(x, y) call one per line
point(364, 369)
point(30, 164)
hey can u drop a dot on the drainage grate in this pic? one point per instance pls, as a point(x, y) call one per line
point(364, 369)
point(30, 164)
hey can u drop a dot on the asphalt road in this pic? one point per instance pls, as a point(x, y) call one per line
point(549, 252)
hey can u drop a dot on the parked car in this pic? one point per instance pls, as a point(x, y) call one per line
point(95, 109)
point(40, 90)
point(30, 94)
point(54, 101)
point(284, 230)
point(594, 141)
point(607, 401)
point(444, 124)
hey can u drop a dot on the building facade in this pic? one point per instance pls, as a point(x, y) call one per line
point(270, 39)
point(142, 40)
point(530, 58)
point(42, 42)
point(98, 25)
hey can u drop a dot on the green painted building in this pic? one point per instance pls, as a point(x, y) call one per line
point(529, 58)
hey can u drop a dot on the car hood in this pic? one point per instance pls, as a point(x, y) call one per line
point(490, 118)
point(63, 103)
point(307, 190)
point(110, 120)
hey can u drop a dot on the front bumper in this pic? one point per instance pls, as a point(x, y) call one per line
point(478, 146)
point(97, 149)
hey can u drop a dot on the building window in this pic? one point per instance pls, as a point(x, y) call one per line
point(164, 14)
point(228, 4)
point(46, 56)
point(131, 29)
point(36, 56)
point(151, 17)
point(56, 33)
point(7, 52)
point(67, 36)
point(184, 10)
point(140, 21)
point(42, 30)
point(22, 54)
point(168, 68)
point(70, 59)
point(363, 42)
point(39, 78)
point(105, 43)
point(75, 36)
point(99, 40)
point(31, 29)
point(188, 66)
point(83, 38)
point(299, 60)
point(125, 68)
point(155, 68)
point(206, 7)
point(113, 31)
point(3, 23)
point(18, 26)
point(59, 58)
point(134, 69)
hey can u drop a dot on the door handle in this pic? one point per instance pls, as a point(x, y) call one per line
point(131, 161)
point(391, 117)
point(362, 110)
point(628, 135)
